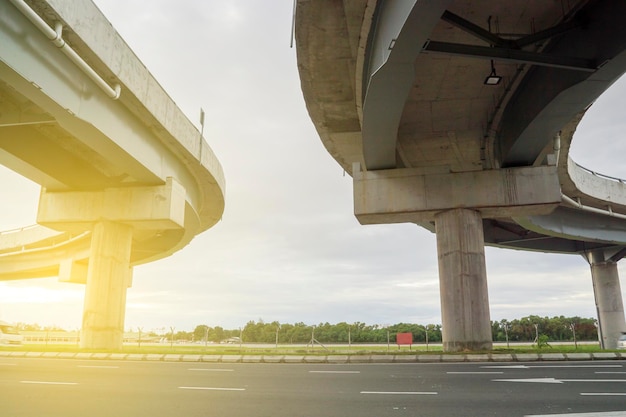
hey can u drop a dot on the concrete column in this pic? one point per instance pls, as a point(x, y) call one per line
point(608, 295)
point(108, 277)
point(463, 281)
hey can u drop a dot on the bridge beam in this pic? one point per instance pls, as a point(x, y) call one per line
point(403, 27)
point(608, 296)
point(466, 323)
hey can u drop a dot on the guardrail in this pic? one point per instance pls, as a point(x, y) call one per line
point(597, 174)
point(54, 244)
point(18, 230)
point(576, 203)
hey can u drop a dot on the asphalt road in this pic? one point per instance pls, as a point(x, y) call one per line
point(58, 387)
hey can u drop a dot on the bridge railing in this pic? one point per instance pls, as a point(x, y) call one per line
point(18, 230)
point(34, 237)
point(598, 174)
point(606, 209)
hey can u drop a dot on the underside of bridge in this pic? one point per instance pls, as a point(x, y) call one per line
point(457, 116)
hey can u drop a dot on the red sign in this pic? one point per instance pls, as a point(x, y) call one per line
point(404, 339)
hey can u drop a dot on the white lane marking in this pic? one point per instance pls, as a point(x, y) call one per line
point(99, 366)
point(548, 366)
point(599, 414)
point(593, 380)
point(603, 394)
point(49, 382)
point(400, 392)
point(557, 381)
point(210, 369)
point(610, 372)
point(474, 373)
point(541, 380)
point(213, 388)
point(335, 372)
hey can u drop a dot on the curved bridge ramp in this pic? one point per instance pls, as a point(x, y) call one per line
point(40, 252)
point(457, 116)
point(126, 178)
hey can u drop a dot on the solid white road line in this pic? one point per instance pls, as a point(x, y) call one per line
point(400, 392)
point(49, 382)
point(213, 388)
point(604, 394)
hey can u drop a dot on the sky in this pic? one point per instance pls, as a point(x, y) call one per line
point(288, 248)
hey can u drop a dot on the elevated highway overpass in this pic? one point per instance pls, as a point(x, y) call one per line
point(458, 116)
point(126, 178)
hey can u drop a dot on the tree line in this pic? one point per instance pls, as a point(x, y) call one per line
point(526, 329)
point(556, 329)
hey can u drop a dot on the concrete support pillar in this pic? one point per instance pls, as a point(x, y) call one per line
point(463, 281)
point(111, 215)
point(108, 276)
point(608, 296)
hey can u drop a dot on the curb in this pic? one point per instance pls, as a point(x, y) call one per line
point(330, 359)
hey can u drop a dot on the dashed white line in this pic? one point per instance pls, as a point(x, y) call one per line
point(335, 372)
point(548, 366)
point(400, 392)
point(473, 373)
point(210, 369)
point(213, 388)
point(49, 382)
point(99, 366)
point(599, 414)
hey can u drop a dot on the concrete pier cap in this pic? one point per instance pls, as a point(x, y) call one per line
point(148, 207)
point(413, 195)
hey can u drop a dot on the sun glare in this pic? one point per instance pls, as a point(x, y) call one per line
point(44, 302)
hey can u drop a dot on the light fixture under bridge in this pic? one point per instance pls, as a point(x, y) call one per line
point(493, 78)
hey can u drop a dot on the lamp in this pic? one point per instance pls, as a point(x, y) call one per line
point(492, 78)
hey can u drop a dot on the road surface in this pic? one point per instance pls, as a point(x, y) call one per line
point(72, 388)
